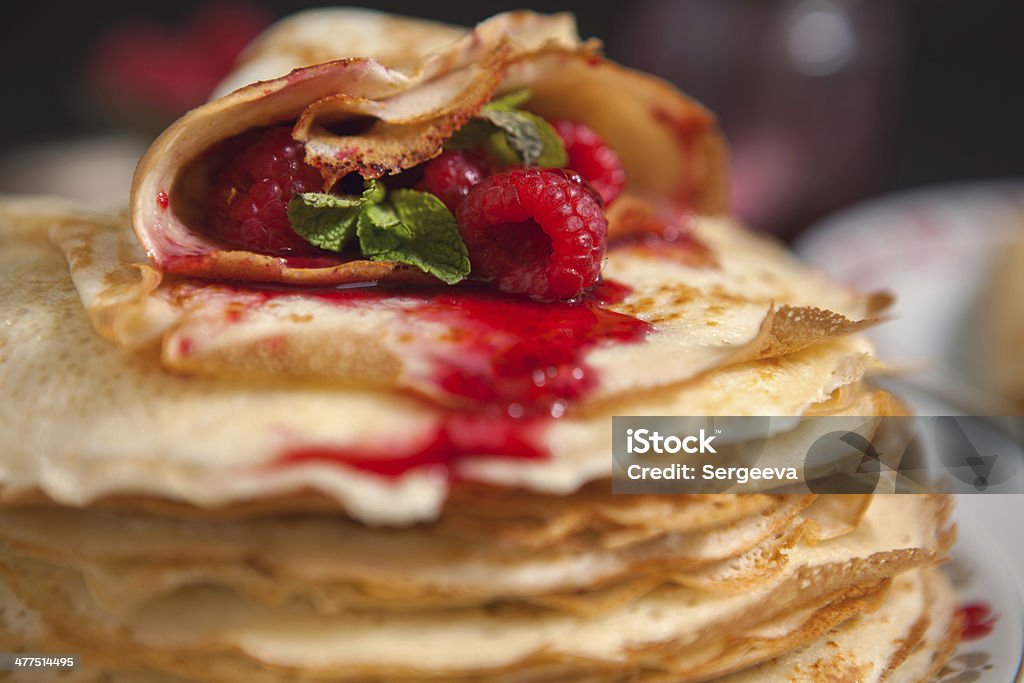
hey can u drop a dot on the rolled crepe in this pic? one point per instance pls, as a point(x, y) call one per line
point(371, 94)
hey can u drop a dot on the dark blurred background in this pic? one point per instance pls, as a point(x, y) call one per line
point(825, 102)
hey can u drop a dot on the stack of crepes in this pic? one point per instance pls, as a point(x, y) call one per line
point(209, 475)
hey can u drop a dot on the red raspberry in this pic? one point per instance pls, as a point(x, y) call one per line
point(451, 175)
point(593, 159)
point(534, 231)
point(248, 204)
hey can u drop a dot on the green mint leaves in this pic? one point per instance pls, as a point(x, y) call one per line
point(327, 220)
point(532, 139)
point(411, 227)
point(511, 100)
point(511, 135)
point(415, 228)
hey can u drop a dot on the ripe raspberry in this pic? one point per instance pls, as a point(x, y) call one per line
point(248, 203)
point(451, 175)
point(534, 231)
point(592, 158)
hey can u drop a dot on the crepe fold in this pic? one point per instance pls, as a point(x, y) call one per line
point(386, 100)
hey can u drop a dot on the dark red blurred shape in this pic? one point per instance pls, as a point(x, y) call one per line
point(165, 70)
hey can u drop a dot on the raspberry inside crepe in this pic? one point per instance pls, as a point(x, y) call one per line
point(236, 469)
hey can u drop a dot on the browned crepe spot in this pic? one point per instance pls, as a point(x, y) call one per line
point(788, 329)
point(395, 142)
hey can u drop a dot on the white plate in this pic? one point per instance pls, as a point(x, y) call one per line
point(985, 582)
point(932, 248)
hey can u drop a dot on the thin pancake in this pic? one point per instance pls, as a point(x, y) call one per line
point(209, 443)
point(756, 302)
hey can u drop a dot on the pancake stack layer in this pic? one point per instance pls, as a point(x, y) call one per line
point(203, 481)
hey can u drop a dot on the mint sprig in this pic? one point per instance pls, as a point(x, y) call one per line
point(328, 221)
point(415, 228)
point(410, 227)
point(510, 100)
point(511, 135)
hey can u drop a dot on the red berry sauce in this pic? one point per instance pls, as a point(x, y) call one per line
point(525, 357)
point(459, 436)
point(512, 365)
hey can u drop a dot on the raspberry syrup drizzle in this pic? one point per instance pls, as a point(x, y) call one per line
point(458, 436)
point(525, 358)
point(514, 364)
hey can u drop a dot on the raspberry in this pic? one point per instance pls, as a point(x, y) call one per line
point(592, 158)
point(534, 231)
point(451, 175)
point(248, 204)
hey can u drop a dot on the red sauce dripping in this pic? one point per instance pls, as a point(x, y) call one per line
point(979, 621)
point(512, 363)
point(523, 356)
point(508, 354)
point(459, 436)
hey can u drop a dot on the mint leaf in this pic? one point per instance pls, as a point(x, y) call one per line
point(381, 232)
point(417, 229)
point(473, 135)
point(554, 154)
point(323, 222)
point(521, 133)
point(512, 100)
point(373, 192)
point(329, 221)
point(511, 135)
point(412, 227)
point(533, 139)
